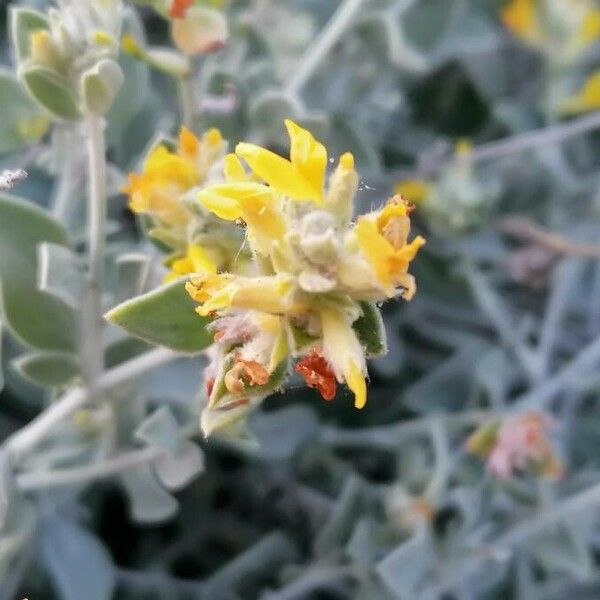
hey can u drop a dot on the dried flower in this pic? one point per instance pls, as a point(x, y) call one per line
point(515, 445)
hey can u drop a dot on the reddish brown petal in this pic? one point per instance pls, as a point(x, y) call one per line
point(317, 374)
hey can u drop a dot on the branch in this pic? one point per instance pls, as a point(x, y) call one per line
point(59, 477)
point(32, 434)
point(515, 537)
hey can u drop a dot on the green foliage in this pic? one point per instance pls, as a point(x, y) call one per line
point(34, 317)
point(164, 316)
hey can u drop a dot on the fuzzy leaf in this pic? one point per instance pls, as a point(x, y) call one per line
point(34, 317)
point(175, 471)
point(80, 565)
point(166, 317)
point(370, 329)
point(21, 120)
point(149, 502)
point(48, 368)
point(23, 22)
point(50, 91)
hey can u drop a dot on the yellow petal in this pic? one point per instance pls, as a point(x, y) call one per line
point(278, 172)
point(357, 383)
point(188, 142)
point(413, 190)
point(200, 260)
point(233, 169)
point(343, 352)
point(308, 156)
point(254, 203)
point(376, 249)
point(590, 29)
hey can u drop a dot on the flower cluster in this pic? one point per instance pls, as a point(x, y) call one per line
point(67, 61)
point(515, 445)
point(563, 30)
point(317, 274)
point(458, 200)
point(164, 193)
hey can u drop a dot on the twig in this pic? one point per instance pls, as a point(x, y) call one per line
point(507, 146)
point(574, 371)
point(336, 26)
point(32, 434)
point(493, 308)
point(515, 537)
point(55, 478)
point(92, 314)
point(313, 580)
point(525, 230)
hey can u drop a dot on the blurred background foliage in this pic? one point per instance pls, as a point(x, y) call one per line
point(440, 100)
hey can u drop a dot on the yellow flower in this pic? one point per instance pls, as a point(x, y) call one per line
point(167, 175)
point(314, 270)
point(413, 190)
point(196, 260)
point(344, 353)
point(383, 241)
point(587, 99)
point(269, 294)
point(590, 28)
point(520, 16)
point(252, 202)
point(300, 178)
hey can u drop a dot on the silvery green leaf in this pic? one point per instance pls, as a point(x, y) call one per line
point(363, 546)
point(268, 110)
point(160, 429)
point(176, 470)
point(80, 565)
point(34, 317)
point(370, 329)
point(23, 22)
point(164, 316)
point(18, 529)
point(50, 90)
point(22, 121)
point(132, 275)
point(336, 531)
point(148, 501)
point(282, 433)
point(60, 273)
point(52, 369)
point(406, 569)
point(100, 85)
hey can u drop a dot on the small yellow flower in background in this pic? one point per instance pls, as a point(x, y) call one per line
point(317, 274)
point(167, 175)
point(196, 260)
point(587, 99)
point(413, 190)
point(163, 192)
point(563, 28)
point(520, 16)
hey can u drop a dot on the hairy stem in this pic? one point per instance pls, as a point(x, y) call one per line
point(21, 442)
point(59, 477)
point(92, 317)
